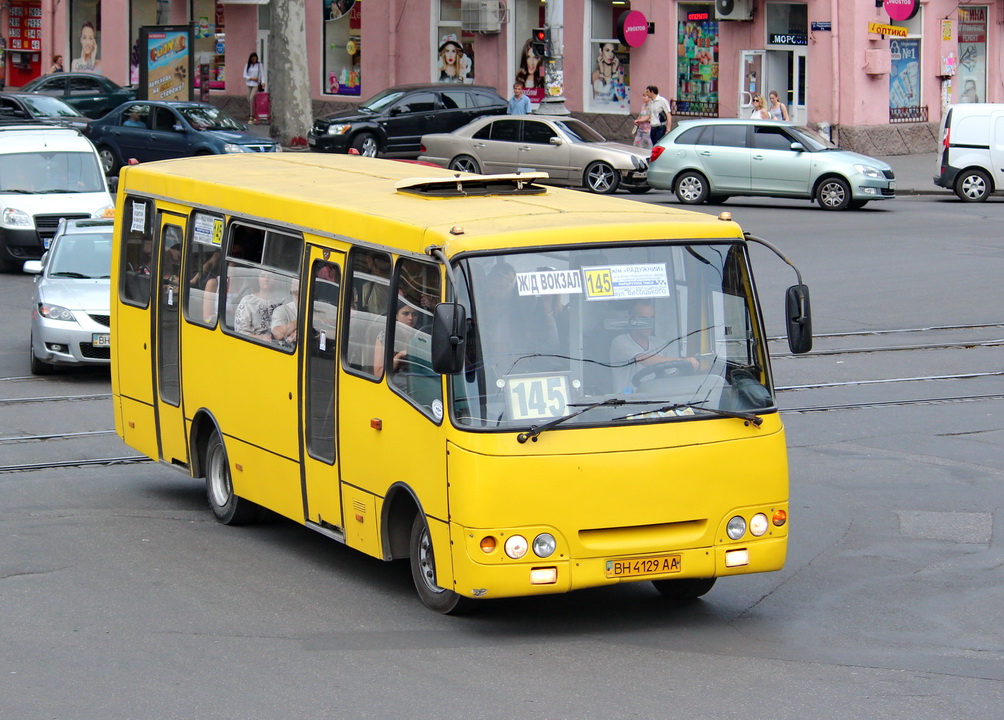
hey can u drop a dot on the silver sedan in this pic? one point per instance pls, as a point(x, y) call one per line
point(568, 150)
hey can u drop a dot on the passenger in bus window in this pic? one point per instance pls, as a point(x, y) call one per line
point(284, 318)
point(639, 346)
point(254, 312)
point(407, 320)
point(374, 294)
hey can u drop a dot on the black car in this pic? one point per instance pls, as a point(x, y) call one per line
point(93, 95)
point(395, 120)
point(28, 106)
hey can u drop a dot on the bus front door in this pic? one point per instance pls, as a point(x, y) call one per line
point(321, 493)
point(167, 398)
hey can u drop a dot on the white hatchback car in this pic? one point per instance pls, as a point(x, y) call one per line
point(71, 308)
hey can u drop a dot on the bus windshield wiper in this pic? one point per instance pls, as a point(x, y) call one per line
point(750, 418)
point(536, 430)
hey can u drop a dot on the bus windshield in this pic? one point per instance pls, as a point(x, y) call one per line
point(648, 333)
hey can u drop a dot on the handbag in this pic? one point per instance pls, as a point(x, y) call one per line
point(663, 117)
point(261, 87)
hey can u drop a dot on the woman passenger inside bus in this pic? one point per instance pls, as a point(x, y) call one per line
point(284, 318)
point(407, 319)
point(254, 312)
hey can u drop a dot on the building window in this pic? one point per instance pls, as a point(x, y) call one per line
point(905, 73)
point(342, 47)
point(972, 69)
point(697, 61)
point(610, 77)
point(454, 49)
point(210, 44)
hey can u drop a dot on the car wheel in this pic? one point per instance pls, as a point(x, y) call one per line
point(465, 163)
point(38, 367)
point(972, 186)
point(602, 178)
point(638, 190)
point(833, 194)
point(684, 590)
point(717, 199)
point(228, 508)
point(691, 188)
point(109, 163)
point(423, 572)
point(366, 143)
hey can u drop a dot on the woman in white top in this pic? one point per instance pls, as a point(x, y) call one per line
point(759, 113)
point(255, 80)
point(777, 111)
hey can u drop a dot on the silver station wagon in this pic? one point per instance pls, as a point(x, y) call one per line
point(713, 159)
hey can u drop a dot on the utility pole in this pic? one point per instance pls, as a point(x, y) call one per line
point(554, 78)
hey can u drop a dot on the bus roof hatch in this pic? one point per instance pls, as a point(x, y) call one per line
point(475, 185)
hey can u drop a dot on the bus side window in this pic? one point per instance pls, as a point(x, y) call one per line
point(370, 291)
point(409, 366)
point(137, 258)
point(240, 277)
point(203, 266)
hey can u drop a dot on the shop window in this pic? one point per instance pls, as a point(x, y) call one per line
point(905, 98)
point(609, 60)
point(697, 61)
point(208, 16)
point(971, 73)
point(342, 47)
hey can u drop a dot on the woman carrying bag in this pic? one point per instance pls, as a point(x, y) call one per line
point(255, 79)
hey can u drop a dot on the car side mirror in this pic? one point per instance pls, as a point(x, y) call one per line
point(398, 110)
point(449, 338)
point(556, 140)
point(797, 147)
point(33, 267)
point(798, 315)
point(178, 128)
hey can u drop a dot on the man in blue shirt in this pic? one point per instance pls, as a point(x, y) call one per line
point(519, 104)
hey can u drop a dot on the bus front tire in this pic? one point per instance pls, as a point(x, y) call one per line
point(228, 508)
point(423, 572)
point(685, 590)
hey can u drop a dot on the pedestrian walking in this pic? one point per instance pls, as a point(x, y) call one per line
point(659, 113)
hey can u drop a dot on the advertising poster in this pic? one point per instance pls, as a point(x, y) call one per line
point(530, 72)
point(166, 63)
point(611, 76)
point(455, 59)
point(697, 62)
point(904, 76)
point(85, 38)
point(971, 75)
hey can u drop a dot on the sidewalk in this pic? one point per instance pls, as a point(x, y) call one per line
point(915, 174)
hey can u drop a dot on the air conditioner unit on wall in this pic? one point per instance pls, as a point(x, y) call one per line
point(734, 9)
point(483, 16)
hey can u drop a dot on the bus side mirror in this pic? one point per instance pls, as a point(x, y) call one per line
point(449, 338)
point(799, 317)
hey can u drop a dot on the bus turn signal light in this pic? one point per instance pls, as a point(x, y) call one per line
point(488, 544)
point(780, 518)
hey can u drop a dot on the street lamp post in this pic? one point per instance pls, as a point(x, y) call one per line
point(554, 78)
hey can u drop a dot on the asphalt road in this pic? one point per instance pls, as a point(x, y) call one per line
point(122, 598)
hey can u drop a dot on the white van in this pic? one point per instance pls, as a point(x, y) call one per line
point(971, 161)
point(47, 173)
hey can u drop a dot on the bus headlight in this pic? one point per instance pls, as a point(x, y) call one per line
point(544, 545)
point(16, 218)
point(516, 546)
point(736, 528)
point(758, 525)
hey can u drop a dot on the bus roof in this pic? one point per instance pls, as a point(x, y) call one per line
point(345, 194)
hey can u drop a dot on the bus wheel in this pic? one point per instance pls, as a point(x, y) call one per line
point(423, 572)
point(227, 507)
point(684, 591)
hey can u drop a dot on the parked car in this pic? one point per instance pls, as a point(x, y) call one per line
point(47, 173)
point(70, 310)
point(714, 159)
point(93, 95)
point(394, 120)
point(568, 150)
point(157, 130)
point(27, 106)
point(971, 161)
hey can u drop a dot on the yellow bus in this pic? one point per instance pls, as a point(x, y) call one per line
point(521, 389)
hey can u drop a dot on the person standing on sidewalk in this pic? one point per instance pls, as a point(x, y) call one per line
point(255, 80)
point(519, 104)
point(659, 113)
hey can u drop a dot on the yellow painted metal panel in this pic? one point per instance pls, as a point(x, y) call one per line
point(265, 478)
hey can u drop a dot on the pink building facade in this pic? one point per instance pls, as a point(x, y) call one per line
point(877, 74)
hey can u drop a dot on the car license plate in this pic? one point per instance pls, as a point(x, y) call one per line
point(101, 339)
point(311, 141)
point(633, 567)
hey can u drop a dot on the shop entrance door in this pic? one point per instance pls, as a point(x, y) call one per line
point(751, 79)
point(785, 72)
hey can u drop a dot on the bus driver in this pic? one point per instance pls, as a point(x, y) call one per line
point(639, 346)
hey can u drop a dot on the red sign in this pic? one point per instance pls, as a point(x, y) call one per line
point(632, 28)
point(901, 9)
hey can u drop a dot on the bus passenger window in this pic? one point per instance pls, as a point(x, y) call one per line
point(253, 316)
point(203, 266)
point(410, 358)
point(137, 253)
point(370, 292)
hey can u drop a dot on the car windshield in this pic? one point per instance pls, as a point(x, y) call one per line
point(209, 118)
point(51, 172)
point(645, 333)
point(813, 141)
point(81, 256)
point(45, 106)
point(378, 102)
point(579, 132)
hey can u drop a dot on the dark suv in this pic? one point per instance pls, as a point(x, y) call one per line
point(395, 120)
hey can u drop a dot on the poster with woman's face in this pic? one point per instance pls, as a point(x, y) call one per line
point(610, 76)
point(85, 38)
point(530, 71)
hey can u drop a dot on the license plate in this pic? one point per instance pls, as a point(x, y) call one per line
point(101, 339)
point(311, 141)
point(633, 567)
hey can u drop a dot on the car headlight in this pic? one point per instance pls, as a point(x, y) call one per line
point(55, 312)
point(869, 171)
point(339, 129)
point(234, 148)
point(17, 218)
